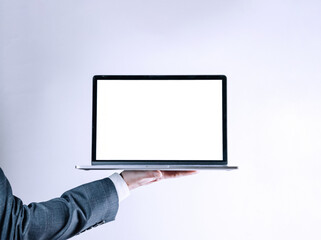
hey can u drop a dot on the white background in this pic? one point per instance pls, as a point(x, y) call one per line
point(271, 54)
point(159, 120)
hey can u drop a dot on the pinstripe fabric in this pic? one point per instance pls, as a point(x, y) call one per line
point(77, 210)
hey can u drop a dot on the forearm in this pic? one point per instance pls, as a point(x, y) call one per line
point(75, 211)
point(60, 218)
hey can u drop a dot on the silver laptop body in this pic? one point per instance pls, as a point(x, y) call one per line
point(159, 122)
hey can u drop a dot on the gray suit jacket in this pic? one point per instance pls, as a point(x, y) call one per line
point(75, 211)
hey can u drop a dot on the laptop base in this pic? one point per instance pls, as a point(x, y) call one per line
point(156, 167)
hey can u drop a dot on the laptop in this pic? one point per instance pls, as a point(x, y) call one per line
point(159, 122)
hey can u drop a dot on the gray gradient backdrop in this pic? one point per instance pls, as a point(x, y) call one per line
point(270, 52)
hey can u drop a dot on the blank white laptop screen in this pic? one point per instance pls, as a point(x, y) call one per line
point(159, 120)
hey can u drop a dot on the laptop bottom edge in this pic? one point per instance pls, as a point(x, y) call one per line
point(156, 167)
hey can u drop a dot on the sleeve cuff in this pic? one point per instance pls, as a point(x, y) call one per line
point(120, 185)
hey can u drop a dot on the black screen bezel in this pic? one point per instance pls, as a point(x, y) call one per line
point(96, 78)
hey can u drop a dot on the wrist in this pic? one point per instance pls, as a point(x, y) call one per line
point(120, 185)
point(121, 174)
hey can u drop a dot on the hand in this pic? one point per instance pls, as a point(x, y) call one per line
point(136, 179)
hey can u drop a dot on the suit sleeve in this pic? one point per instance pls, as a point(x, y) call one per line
point(77, 210)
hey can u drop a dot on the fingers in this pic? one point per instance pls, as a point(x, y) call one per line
point(135, 179)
